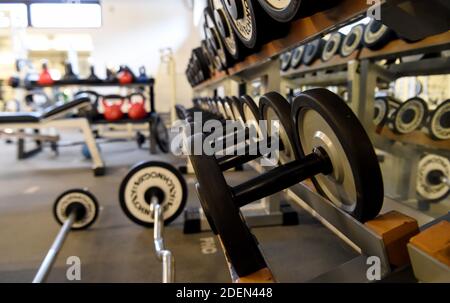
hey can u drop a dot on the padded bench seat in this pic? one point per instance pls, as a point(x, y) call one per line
point(34, 117)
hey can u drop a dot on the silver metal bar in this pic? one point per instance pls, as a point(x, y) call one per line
point(164, 255)
point(50, 258)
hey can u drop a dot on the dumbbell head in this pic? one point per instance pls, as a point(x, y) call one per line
point(332, 46)
point(251, 114)
point(383, 108)
point(236, 107)
point(80, 201)
point(377, 35)
point(214, 39)
point(285, 59)
point(227, 103)
point(439, 124)
point(275, 110)
point(152, 179)
point(313, 51)
point(353, 40)
point(297, 56)
point(322, 119)
point(431, 172)
point(410, 116)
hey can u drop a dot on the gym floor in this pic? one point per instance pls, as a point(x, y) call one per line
point(114, 249)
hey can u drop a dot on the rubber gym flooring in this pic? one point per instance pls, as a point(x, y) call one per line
point(114, 249)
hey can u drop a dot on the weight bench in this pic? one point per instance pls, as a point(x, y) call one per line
point(52, 117)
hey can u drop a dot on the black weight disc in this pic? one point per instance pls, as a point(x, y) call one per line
point(220, 209)
point(322, 119)
point(276, 111)
point(145, 178)
point(313, 50)
point(213, 37)
point(297, 56)
point(251, 23)
point(383, 109)
point(353, 40)
point(377, 35)
point(223, 24)
point(227, 104)
point(281, 10)
point(221, 107)
point(202, 61)
point(251, 114)
point(410, 116)
point(285, 59)
point(81, 198)
point(208, 56)
point(161, 134)
point(439, 125)
point(236, 106)
point(332, 46)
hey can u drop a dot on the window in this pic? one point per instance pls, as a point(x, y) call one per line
point(52, 15)
point(13, 15)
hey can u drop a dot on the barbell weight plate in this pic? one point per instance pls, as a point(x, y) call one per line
point(251, 23)
point(227, 105)
point(146, 178)
point(410, 116)
point(439, 125)
point(322, 119)
point(233, 45)
point(202, 61)
point(276, 111)
point(223, 111)
point(384, 107)
point(285, 59)
point(208, 56)
point(377, 35)
point(251, 114)
point(76, 197)
point(353, 40)
point(429, 185)
point(281, 10)
point(332, 46)
point(312, 51)
point(214, 38)
point(297, 56)
point(222, 213)
point(161, 133)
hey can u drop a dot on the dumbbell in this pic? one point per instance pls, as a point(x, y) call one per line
point(286, 11)
point(353, 40)
point(409, 116)
point(251, 23)
point(297, 56)
point(377, 35)
point(336, 153)
point(433, 178)
point(332, 46)
point(225, 30)
point(384, 107)
point(285, 60)
point(312, 51)
point(439, 122)
point(214, 40)
point(150, 181)
point(75, 209)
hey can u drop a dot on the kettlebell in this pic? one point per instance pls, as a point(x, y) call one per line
point(142, 78)
point(113, 109)
point(45, 78)
point(69, 75)
point(124, 75)
point(92, 76)
point(137, 106)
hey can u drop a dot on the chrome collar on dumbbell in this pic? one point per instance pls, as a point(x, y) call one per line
point(433, 178)
point(149, 180)
point(74, 209)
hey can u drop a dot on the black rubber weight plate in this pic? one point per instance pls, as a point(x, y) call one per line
point(352, 41)
point(377, 35)
point(161, 134)
point(142, 177)
point(313, 50)
point(273, 106)
point(326, 116)
point(220, 208)
point(440, 122)
point(280, 12)
point(297, 56)
point(76, 196)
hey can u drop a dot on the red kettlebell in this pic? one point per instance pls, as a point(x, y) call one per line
point(113, 109)
point(125, 76)
point(45, 78)
point(137, 106)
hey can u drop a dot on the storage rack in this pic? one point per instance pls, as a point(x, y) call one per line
point(357, 73)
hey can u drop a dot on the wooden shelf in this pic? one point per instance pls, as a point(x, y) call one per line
point(217, 77)
point(416, 138)
point(398, 48)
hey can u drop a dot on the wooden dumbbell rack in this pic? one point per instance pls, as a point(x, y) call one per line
point(358, 73)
